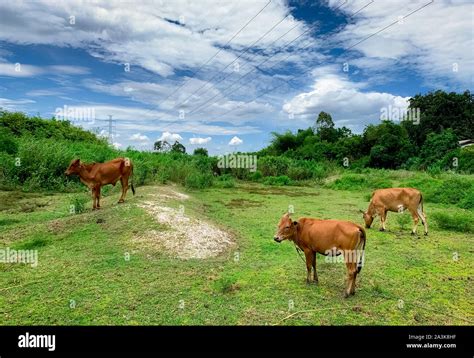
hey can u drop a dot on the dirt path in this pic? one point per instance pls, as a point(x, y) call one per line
point(185, 237)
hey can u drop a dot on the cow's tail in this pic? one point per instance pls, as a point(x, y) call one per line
point(361, 249)
point(131, 182)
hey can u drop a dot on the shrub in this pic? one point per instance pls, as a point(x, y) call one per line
point(278, 181)
point(77, 204)
point(452, 191)
point(468, 201)
point(224, 181)
point(256, 176)
point(403, 220)
point(461, 222)
point(274, 166)
point(197, 180)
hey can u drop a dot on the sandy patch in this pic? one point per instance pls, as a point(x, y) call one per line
point(186, 237)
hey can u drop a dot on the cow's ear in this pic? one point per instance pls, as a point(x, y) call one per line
point(77, 161)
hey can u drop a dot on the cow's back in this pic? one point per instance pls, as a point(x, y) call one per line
point(393, 198)
point(109, 172)
point(323, 235)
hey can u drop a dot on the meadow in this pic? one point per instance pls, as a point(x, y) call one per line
point(195, 245)
point(93, 269)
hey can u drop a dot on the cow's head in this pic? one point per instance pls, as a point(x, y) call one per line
point(286, 229)
point(368, 219)
point(73, 167)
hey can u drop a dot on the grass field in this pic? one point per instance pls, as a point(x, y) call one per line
point(92, 269)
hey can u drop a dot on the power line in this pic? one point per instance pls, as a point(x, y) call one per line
point(220, 49)
point(352, 46)
point(252, 70)
point(266, 60)
point(207, 82)
point(240, 55)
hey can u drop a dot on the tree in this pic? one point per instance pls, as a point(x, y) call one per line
point(325, 127)
point(161, 146)
point(201, 151)
point(387, 144)
point(177, 147)
point(437, 146)
point(439, 111)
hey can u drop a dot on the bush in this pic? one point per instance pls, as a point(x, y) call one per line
point(197, 180)
point(274, 166)
point(224, 181)
point(468, 201)
point(278, 181)
point(77, 204)
point(7, 143)
point(256, 176)
point(452, 191)
point(403, 220)
point(461, 222)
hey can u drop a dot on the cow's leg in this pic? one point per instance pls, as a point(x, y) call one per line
point(98, 197)
point(414, 215)
point(315, 274)
point(124, 182)
point(309, 264)
point(94, 205)
point(351, 276)
point(383, 219)
point(422, 216)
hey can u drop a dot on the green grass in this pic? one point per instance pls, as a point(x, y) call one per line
point(83, 264)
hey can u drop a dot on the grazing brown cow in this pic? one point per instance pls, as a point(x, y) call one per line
point(397, 200)
point(96, 175)
point(329, 238)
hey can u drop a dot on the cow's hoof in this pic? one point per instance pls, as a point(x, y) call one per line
point(381, 229)
point(315, 282)
point(121, 201)
point(346, 294)
point(426, 234)
point(413, 233)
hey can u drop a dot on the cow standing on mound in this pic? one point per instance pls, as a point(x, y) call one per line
point(396, 200)
point(329, 238)
point(96, 175)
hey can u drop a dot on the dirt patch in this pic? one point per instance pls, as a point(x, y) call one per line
point(278, 191)
point(185, 237)
point(245, 203)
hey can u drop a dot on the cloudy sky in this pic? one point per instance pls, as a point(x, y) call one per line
point(225, 74)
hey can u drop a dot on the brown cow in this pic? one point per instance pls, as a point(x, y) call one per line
point(397, 200)
point(96, 175)
point(327, 237)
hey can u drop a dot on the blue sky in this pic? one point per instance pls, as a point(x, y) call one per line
point(297, 57)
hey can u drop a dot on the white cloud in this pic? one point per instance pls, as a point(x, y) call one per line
point(26, 70)
point(146, 35)
point(19, 70)
point(170, 137)
point(199, 140)
point(349, 103)
point(430, 41)
point(236, 141)
point(117, 145)
point(42, 93)
point(138, 137)
point(15, 104)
